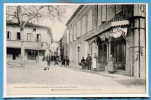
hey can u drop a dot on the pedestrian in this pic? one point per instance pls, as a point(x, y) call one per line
point(83, 63)
point(89, 61)
point(48, 60)
point(56, 60)
point(63, 61)
point(94, 61)
point(67, 61)
point(44, 63)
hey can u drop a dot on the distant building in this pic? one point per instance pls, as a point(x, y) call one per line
point(34, 41)
point(64, 47)
point(114, 33)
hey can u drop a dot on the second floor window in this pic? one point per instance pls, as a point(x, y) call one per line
point(118, 9)
point(90, 20)
point(29, 36)
point(18, 36)
point(8, 35)
point(38, 37)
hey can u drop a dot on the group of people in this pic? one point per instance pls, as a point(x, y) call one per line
point(86, 63)
point(65, 61)
point(47, 59)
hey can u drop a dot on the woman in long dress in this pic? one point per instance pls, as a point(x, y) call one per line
point(94, 61)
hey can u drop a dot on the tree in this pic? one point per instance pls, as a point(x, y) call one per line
point(31, 14)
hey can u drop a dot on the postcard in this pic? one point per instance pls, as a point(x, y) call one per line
point(75, 50)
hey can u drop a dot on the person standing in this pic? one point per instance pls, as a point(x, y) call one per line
point(67, 61)
point(94, 59)
point(48, 60)
point(83, 63)
point(89, 61)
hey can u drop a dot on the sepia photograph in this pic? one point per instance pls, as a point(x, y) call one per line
point(75, 50)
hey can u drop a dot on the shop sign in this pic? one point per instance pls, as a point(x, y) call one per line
point(118, 32)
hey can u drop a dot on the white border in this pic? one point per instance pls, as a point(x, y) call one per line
point(86, 95)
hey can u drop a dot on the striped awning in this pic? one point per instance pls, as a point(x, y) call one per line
point(119, 23)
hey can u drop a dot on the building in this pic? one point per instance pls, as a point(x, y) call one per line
point(64, 47)
point(32, 43)
point(114, 34)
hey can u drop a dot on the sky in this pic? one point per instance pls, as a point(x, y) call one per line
point(58, 27)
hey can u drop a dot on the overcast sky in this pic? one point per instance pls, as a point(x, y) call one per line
point(58, 27)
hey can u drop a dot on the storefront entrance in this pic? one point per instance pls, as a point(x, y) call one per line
point(31, 54)
point(102, 55)
point(118, 51)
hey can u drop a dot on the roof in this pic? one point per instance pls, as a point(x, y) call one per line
point(76, 11)
point(10, 23)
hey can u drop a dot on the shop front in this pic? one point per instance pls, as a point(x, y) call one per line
point(110, 50)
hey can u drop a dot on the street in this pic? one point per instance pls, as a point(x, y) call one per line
point(33, 77)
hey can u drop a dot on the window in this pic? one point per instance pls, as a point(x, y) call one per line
point(29, 36)
point(74, 31)
point(67, 33)
point(18, 36)
point(38, 37)
point(104, 11)
point(90, 20)
point(8, 35)
point(118, 9)
point(110, 12)
point(70, 34)
point(34, 29)
point(99, 14)
point(84, 25)
point(78, 29)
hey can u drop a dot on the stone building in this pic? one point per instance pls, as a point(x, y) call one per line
point(64, 44)
point(114, 34)
point(35, 42)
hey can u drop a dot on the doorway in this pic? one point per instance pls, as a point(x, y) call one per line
point(102, 55)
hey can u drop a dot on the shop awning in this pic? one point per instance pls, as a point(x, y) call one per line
point(116, 30)
point(119, 23)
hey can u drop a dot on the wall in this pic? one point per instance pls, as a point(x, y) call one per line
point(45, 37)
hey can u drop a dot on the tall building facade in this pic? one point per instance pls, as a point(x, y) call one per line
point(113, 34)
point(35, 41)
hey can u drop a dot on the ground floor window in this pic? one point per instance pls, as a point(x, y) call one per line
point(31, 54)
point(14, 52)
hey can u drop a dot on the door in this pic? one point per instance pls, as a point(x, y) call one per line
point(102, 55)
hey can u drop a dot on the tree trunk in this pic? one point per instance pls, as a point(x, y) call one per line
point(22, 48)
